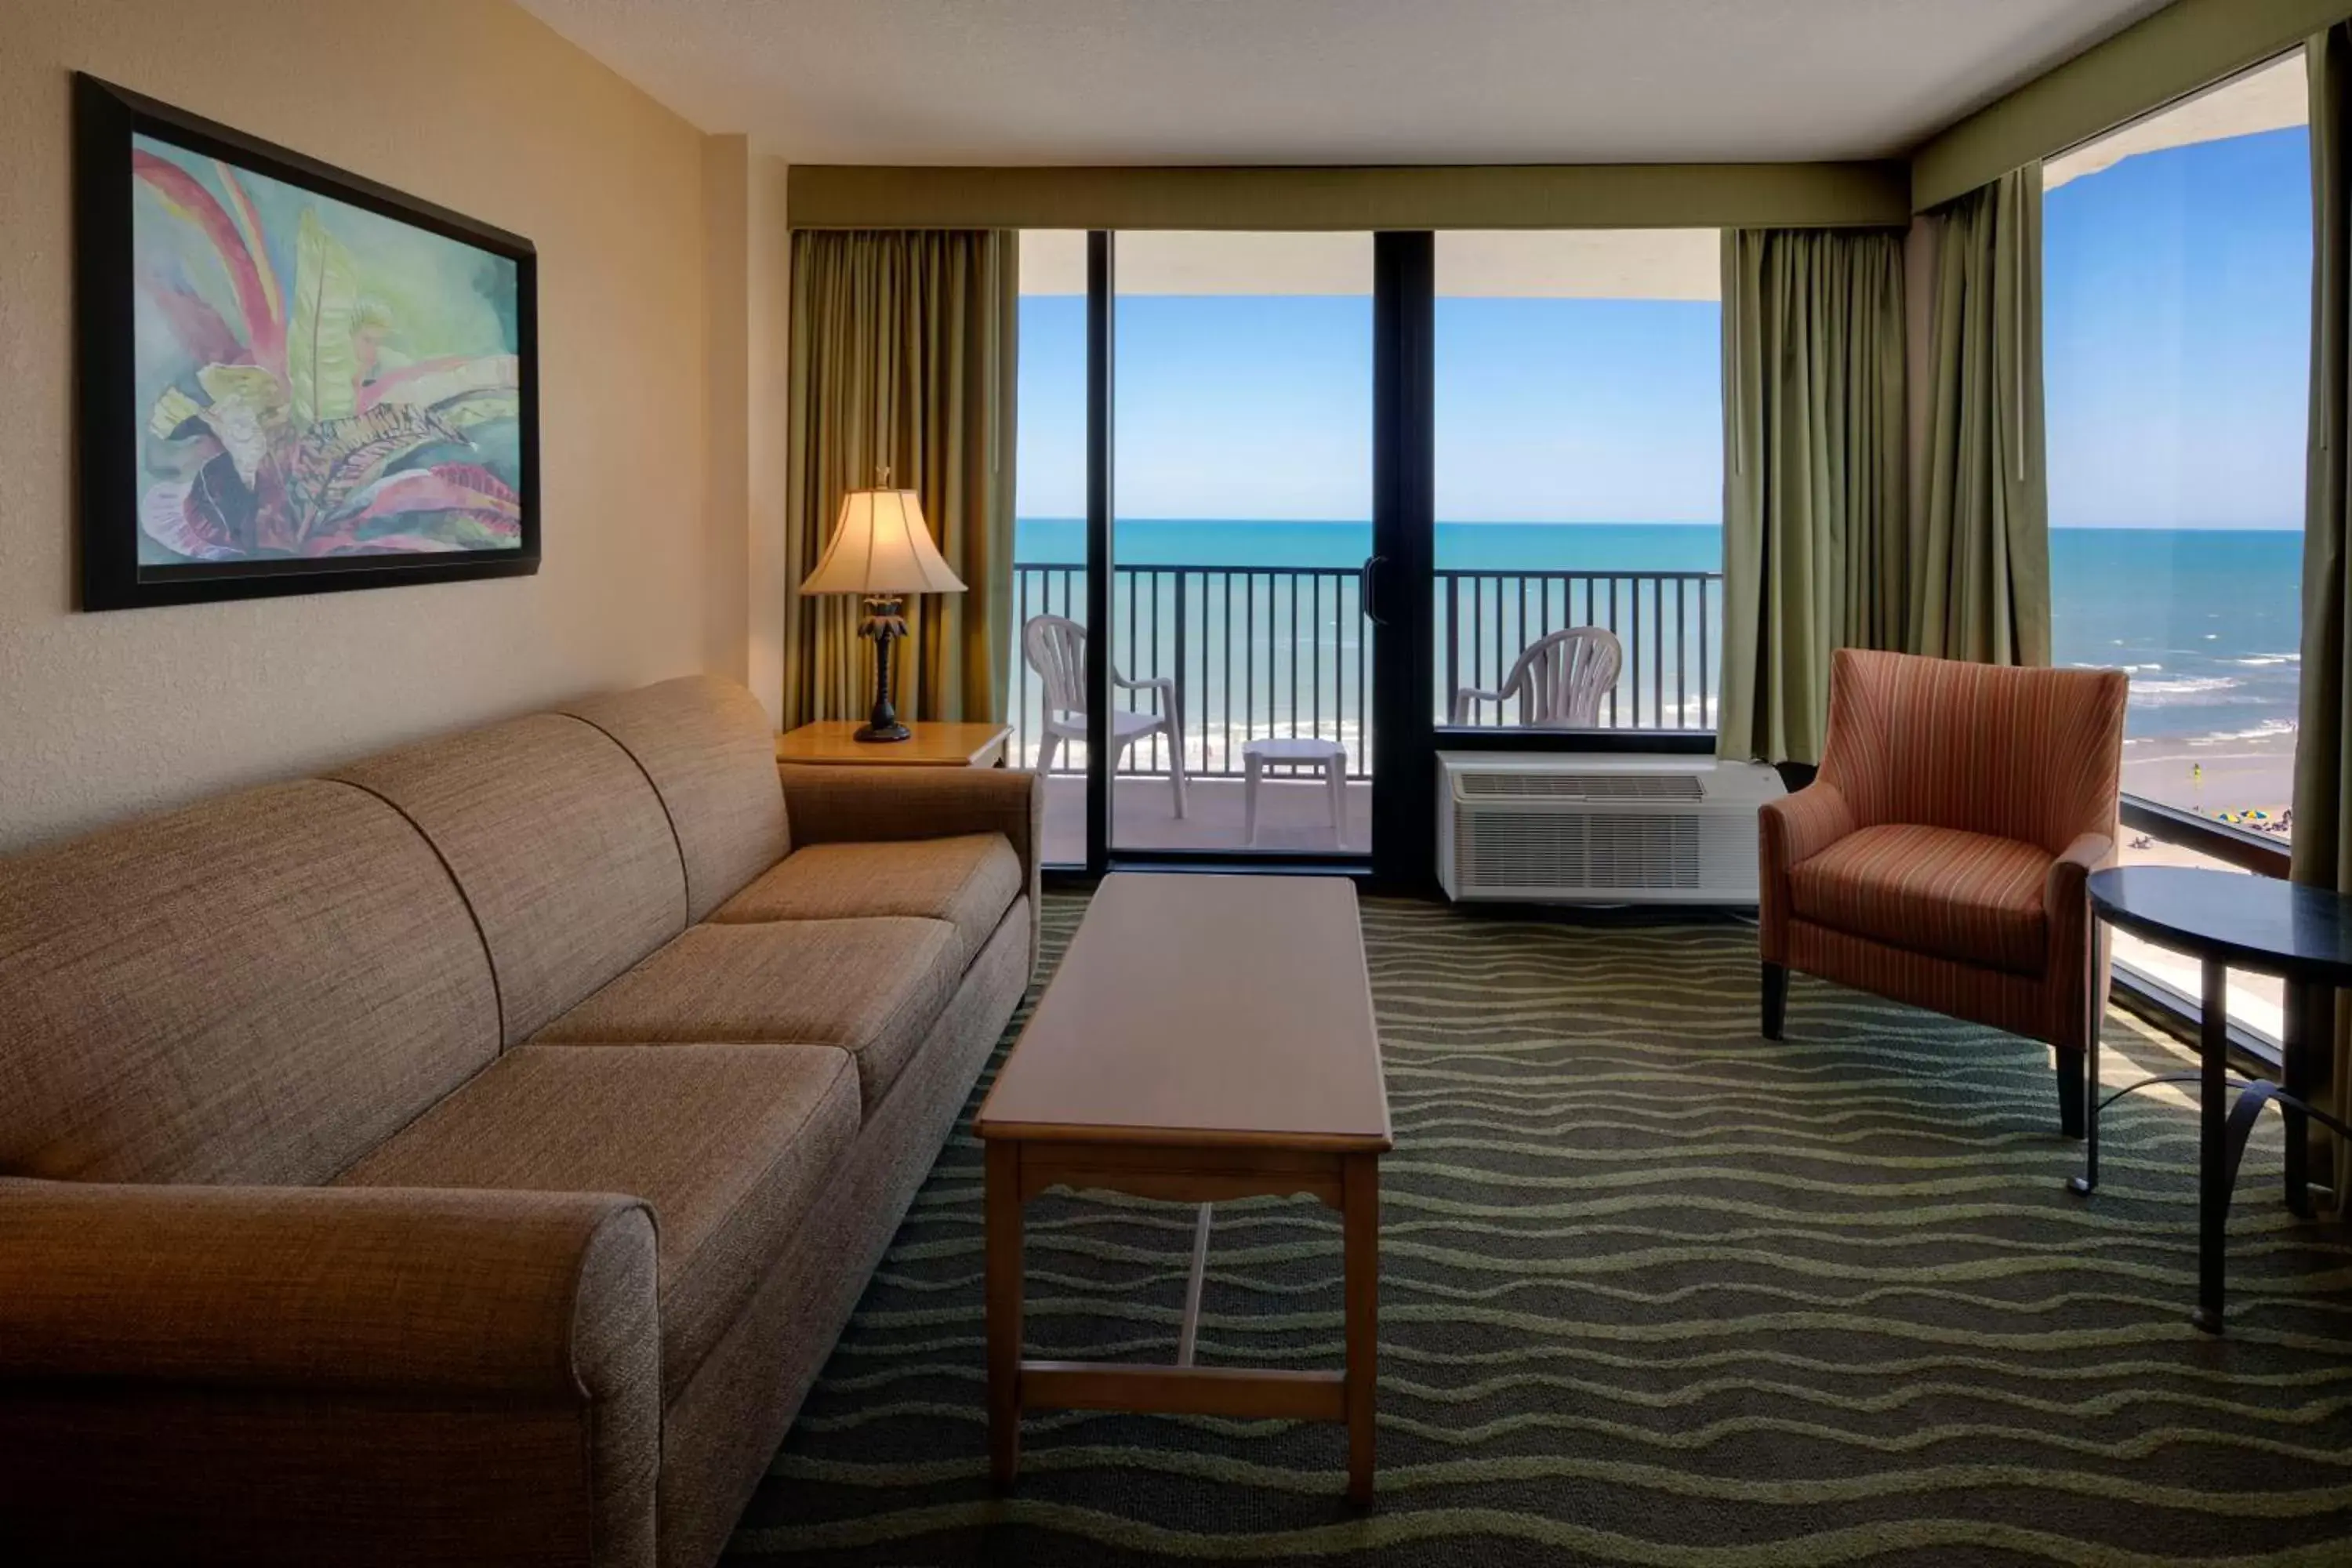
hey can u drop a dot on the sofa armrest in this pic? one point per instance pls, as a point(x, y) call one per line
point(867, 805)
point(1790, 830)
point(400, 1346)
point(306, 1288)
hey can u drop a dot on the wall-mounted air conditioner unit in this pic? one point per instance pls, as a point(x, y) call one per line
point(1599, 829)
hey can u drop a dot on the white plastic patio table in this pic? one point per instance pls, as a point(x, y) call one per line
point(1300, 751)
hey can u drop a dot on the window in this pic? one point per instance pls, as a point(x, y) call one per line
point(1049, 540)
point(2176, 282)
point(1580, 463)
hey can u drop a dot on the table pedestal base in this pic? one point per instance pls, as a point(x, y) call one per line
point(2223, 1130)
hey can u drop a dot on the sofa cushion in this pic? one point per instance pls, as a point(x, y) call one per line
point(257, 990)
point(710, 751)
point(969, 881)
point(560, 846)
point(1937, 891)
point(872, 988)
point(730, 1145)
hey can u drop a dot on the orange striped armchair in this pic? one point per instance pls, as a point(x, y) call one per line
point(1940, 856)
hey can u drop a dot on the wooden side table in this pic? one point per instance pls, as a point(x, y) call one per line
point(938, 745)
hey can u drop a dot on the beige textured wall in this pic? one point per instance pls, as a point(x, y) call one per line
point(727, 372)
point(767, 322)
point(470, 103)
point(747, 311)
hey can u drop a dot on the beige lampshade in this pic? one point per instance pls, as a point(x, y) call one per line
point(882, 546)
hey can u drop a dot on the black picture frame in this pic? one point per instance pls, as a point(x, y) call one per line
point(112, 577)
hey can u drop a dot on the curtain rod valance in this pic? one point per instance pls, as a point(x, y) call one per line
point(2183, 47)
point(1562, 196)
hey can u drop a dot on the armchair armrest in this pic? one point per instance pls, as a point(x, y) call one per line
point(281, 1374)
point(2072, 871)
point(865, 804)
point(1794, 829)
point(1467, 695)
point(2066, 901)
point(1161, 687)
point(1801, 826)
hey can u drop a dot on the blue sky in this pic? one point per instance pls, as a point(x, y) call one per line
point(2176, 337)
point(1239, 406)
point(2176, 331)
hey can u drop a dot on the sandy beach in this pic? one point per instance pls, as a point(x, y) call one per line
point(2211, 775)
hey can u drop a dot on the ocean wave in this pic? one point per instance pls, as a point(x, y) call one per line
point(2180, 689)
point(2258, 660)
point(2261, 732)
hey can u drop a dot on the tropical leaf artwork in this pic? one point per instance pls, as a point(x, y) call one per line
point(320, 380)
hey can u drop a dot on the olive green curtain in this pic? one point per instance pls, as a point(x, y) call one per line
point(903, 356)
point(1981, 556)
point(2323, 753)
point(1814, 554)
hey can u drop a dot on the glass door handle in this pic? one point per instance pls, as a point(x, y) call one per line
point(1370, 590)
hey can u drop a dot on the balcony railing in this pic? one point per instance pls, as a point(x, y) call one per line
point(1668, 622)
point(1284, 650)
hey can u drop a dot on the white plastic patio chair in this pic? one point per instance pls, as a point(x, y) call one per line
point(1056, 647)
point(1560, 680)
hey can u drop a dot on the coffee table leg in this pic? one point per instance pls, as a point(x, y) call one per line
point(1003, 1268)
point(1360, 1224)
point(2212, 1154)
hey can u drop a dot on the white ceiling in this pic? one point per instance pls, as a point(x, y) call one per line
point(1331, 81)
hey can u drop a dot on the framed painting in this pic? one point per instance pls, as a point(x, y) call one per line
point(292, 379)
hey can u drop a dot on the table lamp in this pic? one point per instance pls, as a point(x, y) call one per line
point(881, 550)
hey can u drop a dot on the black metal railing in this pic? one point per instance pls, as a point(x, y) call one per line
point(1667, 622)
point(1285, 651)
point(1255, 652)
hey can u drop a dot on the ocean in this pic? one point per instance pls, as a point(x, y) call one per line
point(2207, 622)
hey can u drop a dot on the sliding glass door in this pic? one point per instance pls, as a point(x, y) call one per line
point(1045, 702)
point(1242, 669)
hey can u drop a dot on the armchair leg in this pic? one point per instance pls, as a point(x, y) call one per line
point(1776, 998)
point(2073, 1090)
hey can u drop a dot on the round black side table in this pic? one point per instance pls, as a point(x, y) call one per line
point(2228, 919)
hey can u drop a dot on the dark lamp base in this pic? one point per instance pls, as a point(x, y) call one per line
point(881, 733)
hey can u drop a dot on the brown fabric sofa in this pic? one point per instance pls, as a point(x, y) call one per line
point(470, 1156)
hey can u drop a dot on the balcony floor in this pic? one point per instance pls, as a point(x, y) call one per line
point(1292, 817)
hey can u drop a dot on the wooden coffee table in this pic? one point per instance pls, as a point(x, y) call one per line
point(1205, 1039)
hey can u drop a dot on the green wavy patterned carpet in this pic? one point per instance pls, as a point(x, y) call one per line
point(1654, 1291)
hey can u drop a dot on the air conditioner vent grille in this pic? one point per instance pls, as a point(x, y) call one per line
point(1580, 786)
point(1646, 853)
